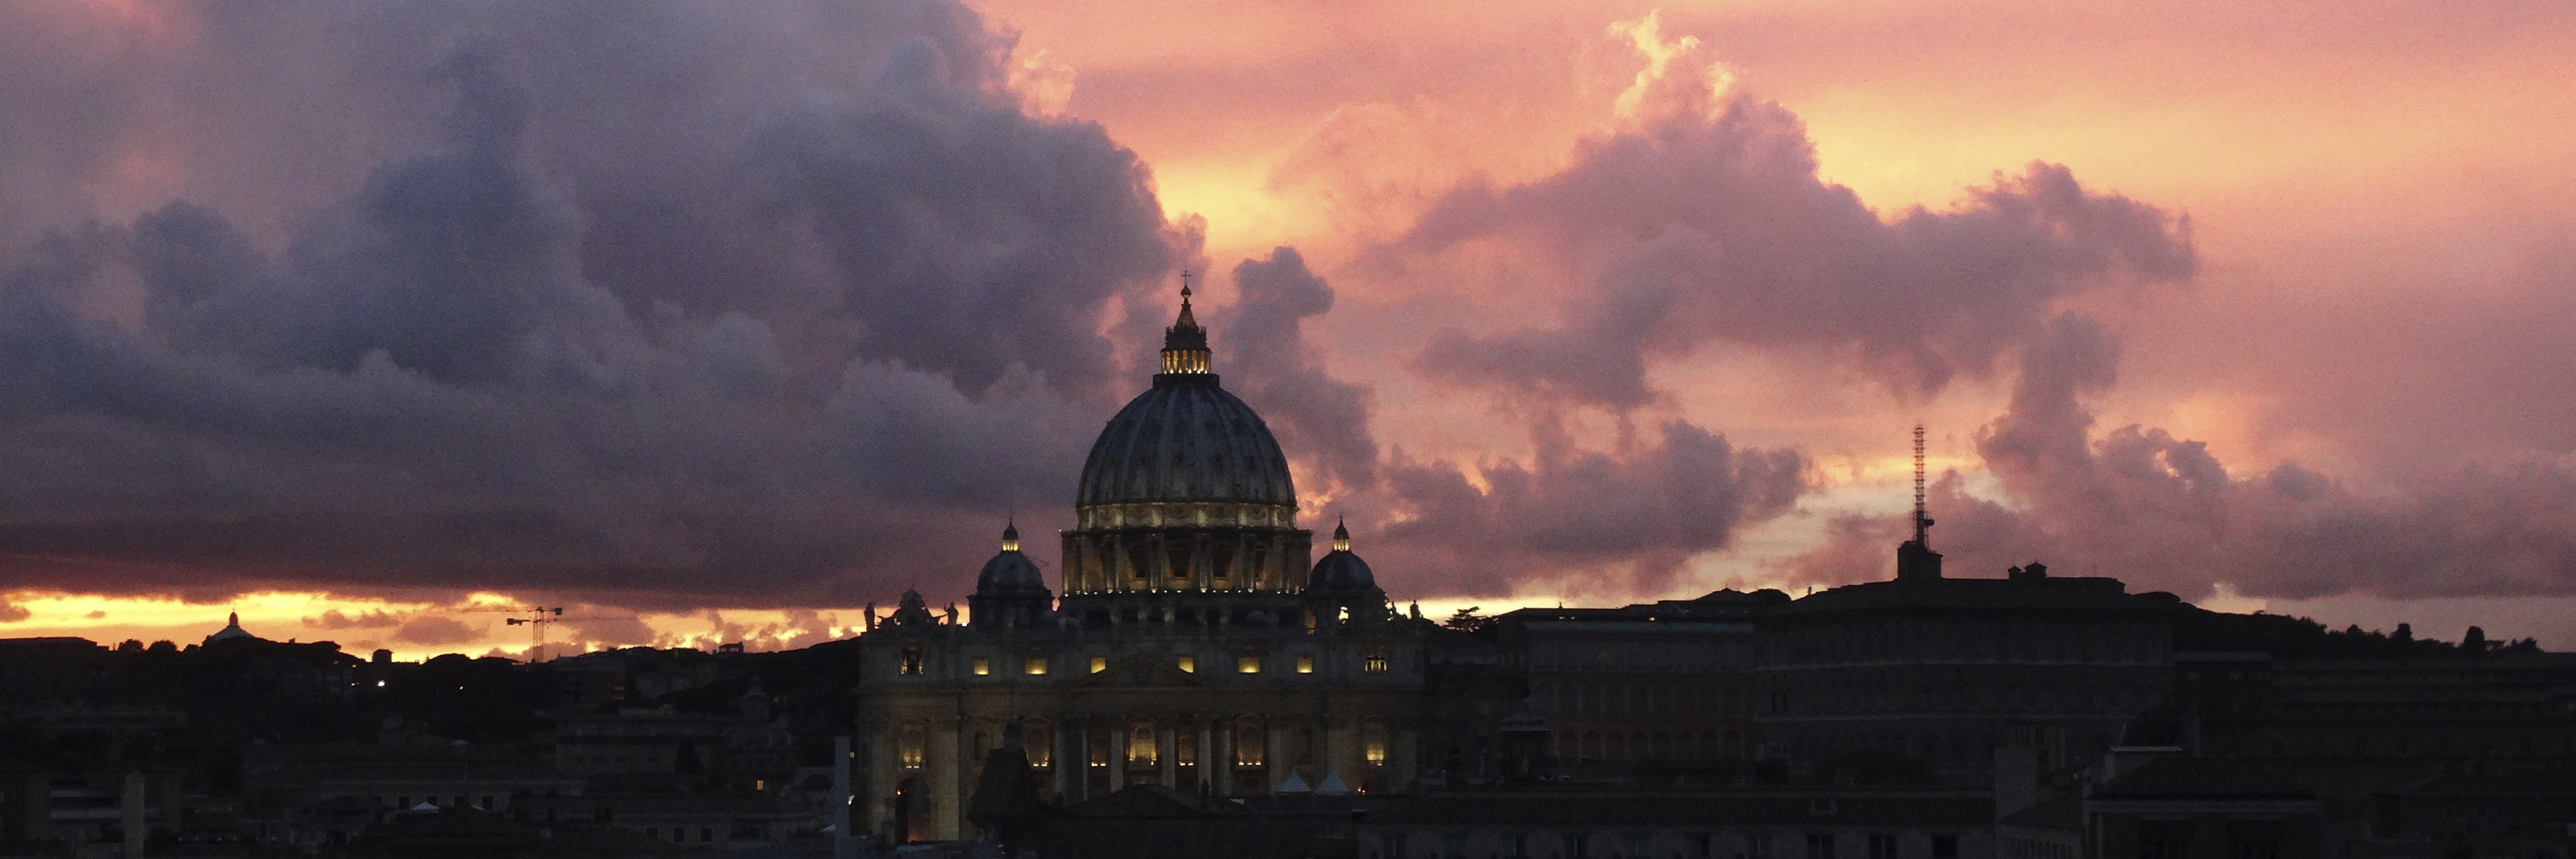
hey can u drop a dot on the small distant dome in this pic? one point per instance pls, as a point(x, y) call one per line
point(1010, 571)
point(1341, 571)
point(232, 630)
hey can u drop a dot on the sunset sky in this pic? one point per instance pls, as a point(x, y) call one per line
point(720, 321)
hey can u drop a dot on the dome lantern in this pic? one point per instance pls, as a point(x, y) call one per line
point(1185, 344)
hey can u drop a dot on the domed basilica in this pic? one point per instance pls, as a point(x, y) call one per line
point(1195, 645)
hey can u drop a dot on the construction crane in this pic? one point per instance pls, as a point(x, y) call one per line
point(537, 619)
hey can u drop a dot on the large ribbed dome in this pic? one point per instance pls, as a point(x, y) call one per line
point(1186, 440)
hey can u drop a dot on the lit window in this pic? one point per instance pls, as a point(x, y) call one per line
point(1305, 665)
point(1247, 742)
point(1373, 742)
point(1034, 665)
point(1190, 664)
point(983, 666)
point(912, 660)
point(1099, 664)
point(909, 744)
point(1376, 659)
point(1247, 665)
point(1039, 743)
point(1141, 744)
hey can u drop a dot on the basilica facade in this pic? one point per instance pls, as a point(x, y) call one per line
point(1197, 644)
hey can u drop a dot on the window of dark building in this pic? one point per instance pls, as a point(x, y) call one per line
point(2254, 839)
point(706, 834)
point(1757, 845)
point(1574, 844)
point(1633, 845)
point(1394, 842)
point(2386, 818)
point(1376, 659)
point(1820, 845)
point(1882, 845)
point(1945, 847)
point(911, 661)
point(1704, 845)
point(2164, 839)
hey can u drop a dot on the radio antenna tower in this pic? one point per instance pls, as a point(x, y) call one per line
point(1922, 523)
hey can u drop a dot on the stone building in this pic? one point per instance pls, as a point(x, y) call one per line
point(1196, 644)
point(1930, 677)
point(1654, 689)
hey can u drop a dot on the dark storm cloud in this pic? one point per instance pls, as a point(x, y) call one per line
point(1627, 518)
point(677, 304)
point(1267, 359)
point(1704, 228)
point(2139, 504)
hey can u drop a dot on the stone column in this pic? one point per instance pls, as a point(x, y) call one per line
point(947, 807)
point(1221, 737)
point(1276, 764)
point(1167, 751)
point(876, 759)
point(1117, 756)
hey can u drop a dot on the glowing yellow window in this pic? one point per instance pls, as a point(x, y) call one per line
point(1190, 664)
point(983, 666)
point(909, 747)
point(1099, 664)
point(1305, 665)
point(1247, 665)
point(1034, 665)
point(1376, 660)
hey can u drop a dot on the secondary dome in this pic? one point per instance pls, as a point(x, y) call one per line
point(1186, 439)
point(1341, 571)
point(1010, 571)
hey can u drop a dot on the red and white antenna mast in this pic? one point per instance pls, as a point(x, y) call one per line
point(1922, 523)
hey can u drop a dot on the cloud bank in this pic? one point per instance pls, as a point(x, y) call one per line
point(643, 313)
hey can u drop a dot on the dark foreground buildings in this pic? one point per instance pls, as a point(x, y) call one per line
point(1195, 681)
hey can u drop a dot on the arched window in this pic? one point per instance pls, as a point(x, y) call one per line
point(1144, 741)
point(1247, 742)
point(1373, 741)
point(910, 743)
point(1039, 742)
